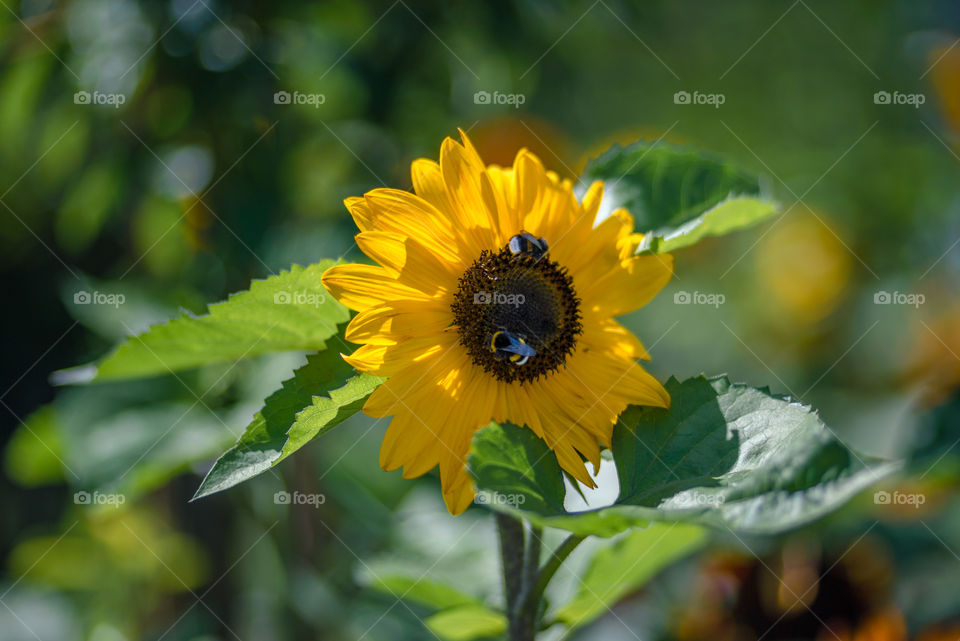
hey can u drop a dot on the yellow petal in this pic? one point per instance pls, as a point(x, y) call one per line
point(629, 286)
point(387, 360)
point(361, 287)
point(395, 210)
point(391, 323)
point(409, 261)
point(461, 174)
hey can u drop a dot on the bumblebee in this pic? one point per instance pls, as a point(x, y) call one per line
point(507, 345)
point(527, 243)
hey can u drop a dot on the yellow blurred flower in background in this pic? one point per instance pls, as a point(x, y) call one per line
point(804, 268)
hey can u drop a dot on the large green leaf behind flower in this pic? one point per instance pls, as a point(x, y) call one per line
point(724, 455)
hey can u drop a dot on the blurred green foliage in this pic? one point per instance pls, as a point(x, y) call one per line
point(199, 182)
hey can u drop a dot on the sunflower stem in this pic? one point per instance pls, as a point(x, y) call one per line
point(512, 556)
point(523, 615)
point(529, 602)
point(532, 558)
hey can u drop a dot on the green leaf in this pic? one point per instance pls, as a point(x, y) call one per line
point(935, 435)
point(426, 592)
point(724, 455)
point(466, 623)
point(326, 412)
point(730, 215)
point(626, 565)
point(35, 450)
point(678, 196)
point(663, 185)
point(322, 394)
point(516, 468)
point(125, 438)
point(288, 311)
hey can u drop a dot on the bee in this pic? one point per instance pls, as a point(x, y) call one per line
point(506, 344)
point(527, 243)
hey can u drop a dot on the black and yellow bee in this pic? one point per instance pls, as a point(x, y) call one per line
point(527, 243)
point(507, 345)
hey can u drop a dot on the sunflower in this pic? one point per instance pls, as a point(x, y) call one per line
point(493, 298)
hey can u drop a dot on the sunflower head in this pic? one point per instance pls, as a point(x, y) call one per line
point(509, 298)
point(493, 298)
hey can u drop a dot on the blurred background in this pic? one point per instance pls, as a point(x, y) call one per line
point(155, 156)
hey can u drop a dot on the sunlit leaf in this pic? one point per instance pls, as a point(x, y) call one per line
point(466, 623)
point(35, 449)
point(678, 195)
point(288, 311)
point(664, 185)
point(730, 215)
point(423, 591)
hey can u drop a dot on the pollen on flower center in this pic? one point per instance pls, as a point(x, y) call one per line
point(517, 314)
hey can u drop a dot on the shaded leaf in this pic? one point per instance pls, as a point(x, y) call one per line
point(515, 467)
point(625, 565)
point(114, 440)
point(663, 185)
point(724, 455)
point(322, 394)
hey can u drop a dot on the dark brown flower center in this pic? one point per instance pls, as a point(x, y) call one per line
point(517, 314)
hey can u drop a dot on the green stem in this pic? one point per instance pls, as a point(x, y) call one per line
point(524, 619)
point(531, 598)
point(524, 581)
point(511, 554)
point(532, 560)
